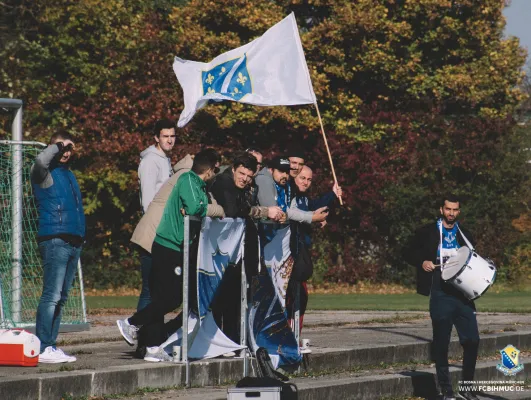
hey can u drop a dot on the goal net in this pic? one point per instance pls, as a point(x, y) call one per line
point(21, 272)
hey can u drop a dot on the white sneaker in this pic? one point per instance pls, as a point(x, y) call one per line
point(53, 355)
point(157, 354)
point(305, 346)
point(127, 330)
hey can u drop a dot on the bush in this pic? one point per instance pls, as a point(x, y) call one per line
point(518, 267)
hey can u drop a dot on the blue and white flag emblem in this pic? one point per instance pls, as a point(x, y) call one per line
point(230, 77)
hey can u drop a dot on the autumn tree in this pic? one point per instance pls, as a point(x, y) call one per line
point(417, 97)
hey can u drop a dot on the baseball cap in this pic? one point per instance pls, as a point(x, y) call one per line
point(280, 163)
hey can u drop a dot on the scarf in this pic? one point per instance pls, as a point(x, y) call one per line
point(283, 198)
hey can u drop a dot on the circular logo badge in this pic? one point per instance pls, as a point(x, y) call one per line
point(178, 270)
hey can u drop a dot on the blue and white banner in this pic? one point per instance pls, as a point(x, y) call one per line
point(220, 244)
point(207, 340)
point(269, 326)
point(268, 321)
point(279, 262)
point(269, 71)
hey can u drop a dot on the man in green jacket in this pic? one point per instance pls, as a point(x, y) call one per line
point(188, 197)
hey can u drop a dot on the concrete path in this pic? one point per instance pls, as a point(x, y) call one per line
point(348, 349)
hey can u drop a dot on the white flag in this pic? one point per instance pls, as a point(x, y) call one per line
point(210, 341)
point(269, 71)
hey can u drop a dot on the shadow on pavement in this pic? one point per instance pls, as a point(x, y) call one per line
point(388, 330)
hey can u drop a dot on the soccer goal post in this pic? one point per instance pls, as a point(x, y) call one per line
point(21, 273)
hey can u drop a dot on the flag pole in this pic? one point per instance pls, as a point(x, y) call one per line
point(327, 149)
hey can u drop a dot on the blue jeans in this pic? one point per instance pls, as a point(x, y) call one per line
point(60, 260)
point(145, 268)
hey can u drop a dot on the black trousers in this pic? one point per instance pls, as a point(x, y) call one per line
point(226, 306)
point(447, 310)
point(166, 288)
point(291, 294)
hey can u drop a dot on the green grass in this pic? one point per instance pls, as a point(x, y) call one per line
point(519, 302)
point(111, 302)
point(493, 302)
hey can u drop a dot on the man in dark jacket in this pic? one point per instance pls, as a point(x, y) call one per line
point(229, 187)
point(60, 236)
point(432, 246)
point(230, 191)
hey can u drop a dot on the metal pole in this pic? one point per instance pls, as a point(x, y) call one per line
point(186, 265)
point(296, 300)
point(297, 306)
point(2, 317)
point(16, 218)
point(243, 310)
point(82, 290)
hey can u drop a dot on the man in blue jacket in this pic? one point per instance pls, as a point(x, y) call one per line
point(61, 235)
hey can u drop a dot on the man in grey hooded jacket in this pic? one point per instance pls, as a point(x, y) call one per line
point(155, 162)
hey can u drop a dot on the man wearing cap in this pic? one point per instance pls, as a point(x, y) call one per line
point(274, 190)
